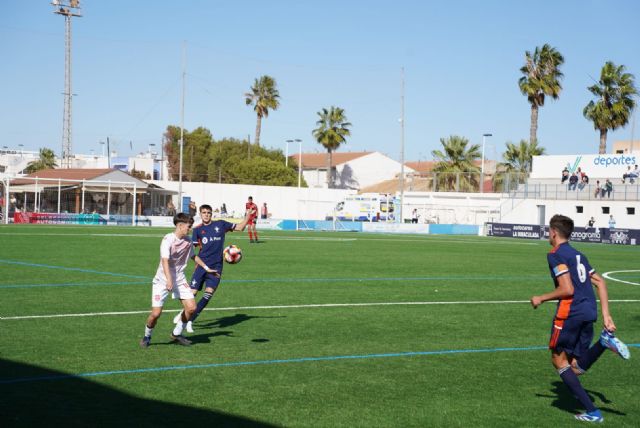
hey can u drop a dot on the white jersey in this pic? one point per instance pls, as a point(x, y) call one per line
point(178, 251)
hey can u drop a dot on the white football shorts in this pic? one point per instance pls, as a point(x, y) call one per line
point(181, 290)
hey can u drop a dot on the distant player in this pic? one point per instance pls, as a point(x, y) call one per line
point(175, 251)
point(252, 210)
point(209, 237)
point(572, 329)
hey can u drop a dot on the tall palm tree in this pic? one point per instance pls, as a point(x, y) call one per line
point(456, 164)
point(614, 102)
point(517, 162)
point(263, 96)
point(46, 160)
point(331, 132)
point(541, 78)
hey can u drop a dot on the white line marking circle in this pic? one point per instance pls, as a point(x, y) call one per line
point(607, 276)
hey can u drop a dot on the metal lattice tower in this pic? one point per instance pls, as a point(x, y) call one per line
point(67, 9)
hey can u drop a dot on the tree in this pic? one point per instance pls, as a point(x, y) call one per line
point(614, 102)
point(263, 96)
point(46, 160)
point(456, 164)
point(331, 132)
point(517, 161)
point(541, 78)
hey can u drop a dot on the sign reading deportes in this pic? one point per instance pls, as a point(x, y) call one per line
point(595, 166)
point(580, 234)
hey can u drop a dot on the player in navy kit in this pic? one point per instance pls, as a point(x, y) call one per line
point(572, 329)
point(209, 237)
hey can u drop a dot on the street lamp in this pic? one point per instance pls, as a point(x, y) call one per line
point(102, 143)
point(150, 148)
point(286, 161)
point(484, 137)
point(21, 146)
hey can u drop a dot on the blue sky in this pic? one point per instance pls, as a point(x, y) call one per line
point(461, 61)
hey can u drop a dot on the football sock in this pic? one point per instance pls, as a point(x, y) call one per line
point(202, 303)
point(255, 234)
point(591, 356)
point(147, 331)
point(177, 331)
point(570, 379)
point(250, 236)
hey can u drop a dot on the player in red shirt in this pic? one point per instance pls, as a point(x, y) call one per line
point(252, 210)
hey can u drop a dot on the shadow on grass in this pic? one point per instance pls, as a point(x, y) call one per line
point(232, 320)
point(79, 402)
point(564, 399)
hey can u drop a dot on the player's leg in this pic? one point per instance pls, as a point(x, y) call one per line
point(565, 340)
point(255, 233)
point(250, 231)
point(158, 296)
point(209, 290)
point(185, 294)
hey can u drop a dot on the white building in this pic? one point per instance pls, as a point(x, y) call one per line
point(351, 170)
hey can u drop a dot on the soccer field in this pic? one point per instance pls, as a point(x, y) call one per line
point(310, 329)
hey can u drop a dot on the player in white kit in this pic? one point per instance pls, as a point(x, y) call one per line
point(175, 251)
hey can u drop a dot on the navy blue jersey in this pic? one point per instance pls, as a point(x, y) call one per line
point(566, 260)
point(210, 239)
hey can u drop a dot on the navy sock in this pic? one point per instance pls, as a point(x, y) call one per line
point(201, 305)
point(591, 356)
point(570, 379)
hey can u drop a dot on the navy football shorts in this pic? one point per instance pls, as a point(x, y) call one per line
point(571, 335)
point(202, 278)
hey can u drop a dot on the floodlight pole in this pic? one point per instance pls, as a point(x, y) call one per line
point(484, 137)
point(67, 8)
point(184, 72)
point(400, 219)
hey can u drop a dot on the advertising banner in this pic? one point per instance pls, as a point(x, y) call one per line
point(580, 234)
point(526, 231)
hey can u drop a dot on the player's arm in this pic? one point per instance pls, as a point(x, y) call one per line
point(167, 272)
point(563, 290)
point(243, 224)
point(603, 295)
point(203, 265)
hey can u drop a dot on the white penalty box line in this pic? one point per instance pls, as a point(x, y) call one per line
point(308, 306)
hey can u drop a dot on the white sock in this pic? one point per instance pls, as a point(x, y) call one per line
point(147, 331)
point(177, 331)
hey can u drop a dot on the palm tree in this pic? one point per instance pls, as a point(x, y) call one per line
point(614, 101)
point(47, 160)
point(454, 160)
point(517, 160)
point(331, 132)
point(263, 96)
point(541, 78)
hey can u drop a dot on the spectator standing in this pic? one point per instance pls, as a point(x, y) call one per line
point(414, 215)
point(598, 190)
point(612, 222)
point(590, 223)
point(223, 209)
point(193, 209)
point(171, 209)
point(264, 212)
point(608, 187)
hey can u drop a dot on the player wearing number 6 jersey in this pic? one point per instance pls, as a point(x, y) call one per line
point(576, 312)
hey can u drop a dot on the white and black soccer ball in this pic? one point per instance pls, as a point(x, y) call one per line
point(232, 254)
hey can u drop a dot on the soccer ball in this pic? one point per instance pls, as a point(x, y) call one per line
point(232, 254)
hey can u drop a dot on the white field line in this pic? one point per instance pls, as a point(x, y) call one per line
point(321, 305)
point(607, 275)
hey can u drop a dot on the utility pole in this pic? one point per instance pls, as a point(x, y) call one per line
point(68, 9)
point(184, 74)
point(401, 147)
